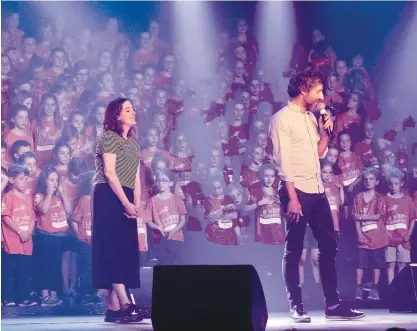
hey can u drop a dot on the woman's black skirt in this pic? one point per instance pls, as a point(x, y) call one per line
point(115, 249)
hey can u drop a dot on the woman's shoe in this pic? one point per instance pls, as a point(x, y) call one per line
point(113, 316)
point(131, 314)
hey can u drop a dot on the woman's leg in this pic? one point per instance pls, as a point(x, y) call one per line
point(113, 301)
point(121, 294)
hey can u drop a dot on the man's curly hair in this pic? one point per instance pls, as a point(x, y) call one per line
point(110, 118)
point(304, 81)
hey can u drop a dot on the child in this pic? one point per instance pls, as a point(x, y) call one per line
point(365, 149)
point(400, 217)
point(168, 214)
point(19, 147)
point(61, 155)
point(18, 222)
point(250, 175)
point(83, 146)
point(368, 211)
point(28, 160)
point(181, 159)
point(95, 127)
point(81, 226)
point(151, 149)
point(350, 121)
point(52, 207)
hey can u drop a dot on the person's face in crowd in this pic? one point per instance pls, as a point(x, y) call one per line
point(237, 196)
point(257, 155)
point(331, 82)
point(394, 185)
point(332, 155)
point(239, 111)
point(104, 59)
point(327, 173)
point(228, 77)
point(127, 115)
point(152, 138)
point(161, 98)
point(223, 129)
point(181, 143)
point(81, 77)
point(317, 36)
point(29, 45)
point(268, 177)
point(240, 69)
point(5, 39)
point(138, 80)
point(341, 68)
point(52, 181)
point(159, 166)
point(133, 95)
point(100, 115)
point(22, 150)
point(254, 87)
point(78, 122)
point(163, 182)
point(246, 98)
point(13, 54)
point(240, 53)
point(6, 65)
point(58, 59)
point(262, 140)
point(215, 158)
point(75, 179)
point(64, 155)
point(160, 122)
point(30, 163)
point(369, 181)
point(260, 75)
point(112, 26)
point(107, 83)
point(149, 76)
point(20, 182)
point(267, 114)
point(145, 40)
point(202, 172)
point(28, 103)
point(224, 39)
point(313, 96)
point(49, 107)
point(21, 120)
point(13, 21)
point(169, 63)
point(47, 33)
point(259, 125)
point(345, 142)
point(242, 26)
point(357, 61)
point(154, 28)
point(368, 129)
point(85, 37)
point(218, 189)
point(390, 158)
point(38, 71)
point(353, 102)
point(67, 44)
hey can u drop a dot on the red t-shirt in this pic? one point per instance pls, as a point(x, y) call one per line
point(269, 227)
point(248, 177)
point(55, 220)
point(399, 214)
point(194, 191)
point(70, 191)
point(374, 232)
point(167, 213)
point(11, 137)
point(236, 133)
point(82, 216)
point(346, 122)
point(365, 152)
point(20, 210)
point(181, 167)
point(333, 197)
point(266, 94)
point(351, 168)
point(32, 183)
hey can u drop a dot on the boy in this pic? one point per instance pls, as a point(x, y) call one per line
point(400, 217)
point(368, 209)
point(18, 222)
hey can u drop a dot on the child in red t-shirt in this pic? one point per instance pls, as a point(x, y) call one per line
point(61, 156)
point(400, 216)
point(28, 160)
point(368, 211)
point(250, 175)
point(18, 222)
point(168, 213)
point(53, 209)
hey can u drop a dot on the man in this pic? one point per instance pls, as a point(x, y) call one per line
point(299, 141)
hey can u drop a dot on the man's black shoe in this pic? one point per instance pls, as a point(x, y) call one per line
point(342, 312)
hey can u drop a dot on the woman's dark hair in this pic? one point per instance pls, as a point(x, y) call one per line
point(55, 151)
point(69, 132)
point(22, 158)
point(57, 114)
point(14, 111)
point(17, 169)
point(18, 144)
point(304, 82)
point(112, 112)
point(43, 176)
point(97, 105)
point(86, 183)
point(76, 166)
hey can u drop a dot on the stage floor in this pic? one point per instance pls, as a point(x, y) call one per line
point(375, 320)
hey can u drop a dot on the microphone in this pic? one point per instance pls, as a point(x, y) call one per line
point(323, 112)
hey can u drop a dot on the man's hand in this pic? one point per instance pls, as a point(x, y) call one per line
point(294, 211)
point(326, 123)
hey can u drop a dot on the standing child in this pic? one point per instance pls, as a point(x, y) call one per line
point(61, 156)
point(18, 222)
point(168, 213)
point(400, 217)
point(368, 210)
point(28, 160)
point(52, 207)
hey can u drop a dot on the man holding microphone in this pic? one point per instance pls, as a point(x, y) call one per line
point(299, 142)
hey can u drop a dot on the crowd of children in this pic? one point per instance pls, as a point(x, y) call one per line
point(217, 199)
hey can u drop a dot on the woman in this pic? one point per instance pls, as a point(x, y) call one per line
point(116, 201)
